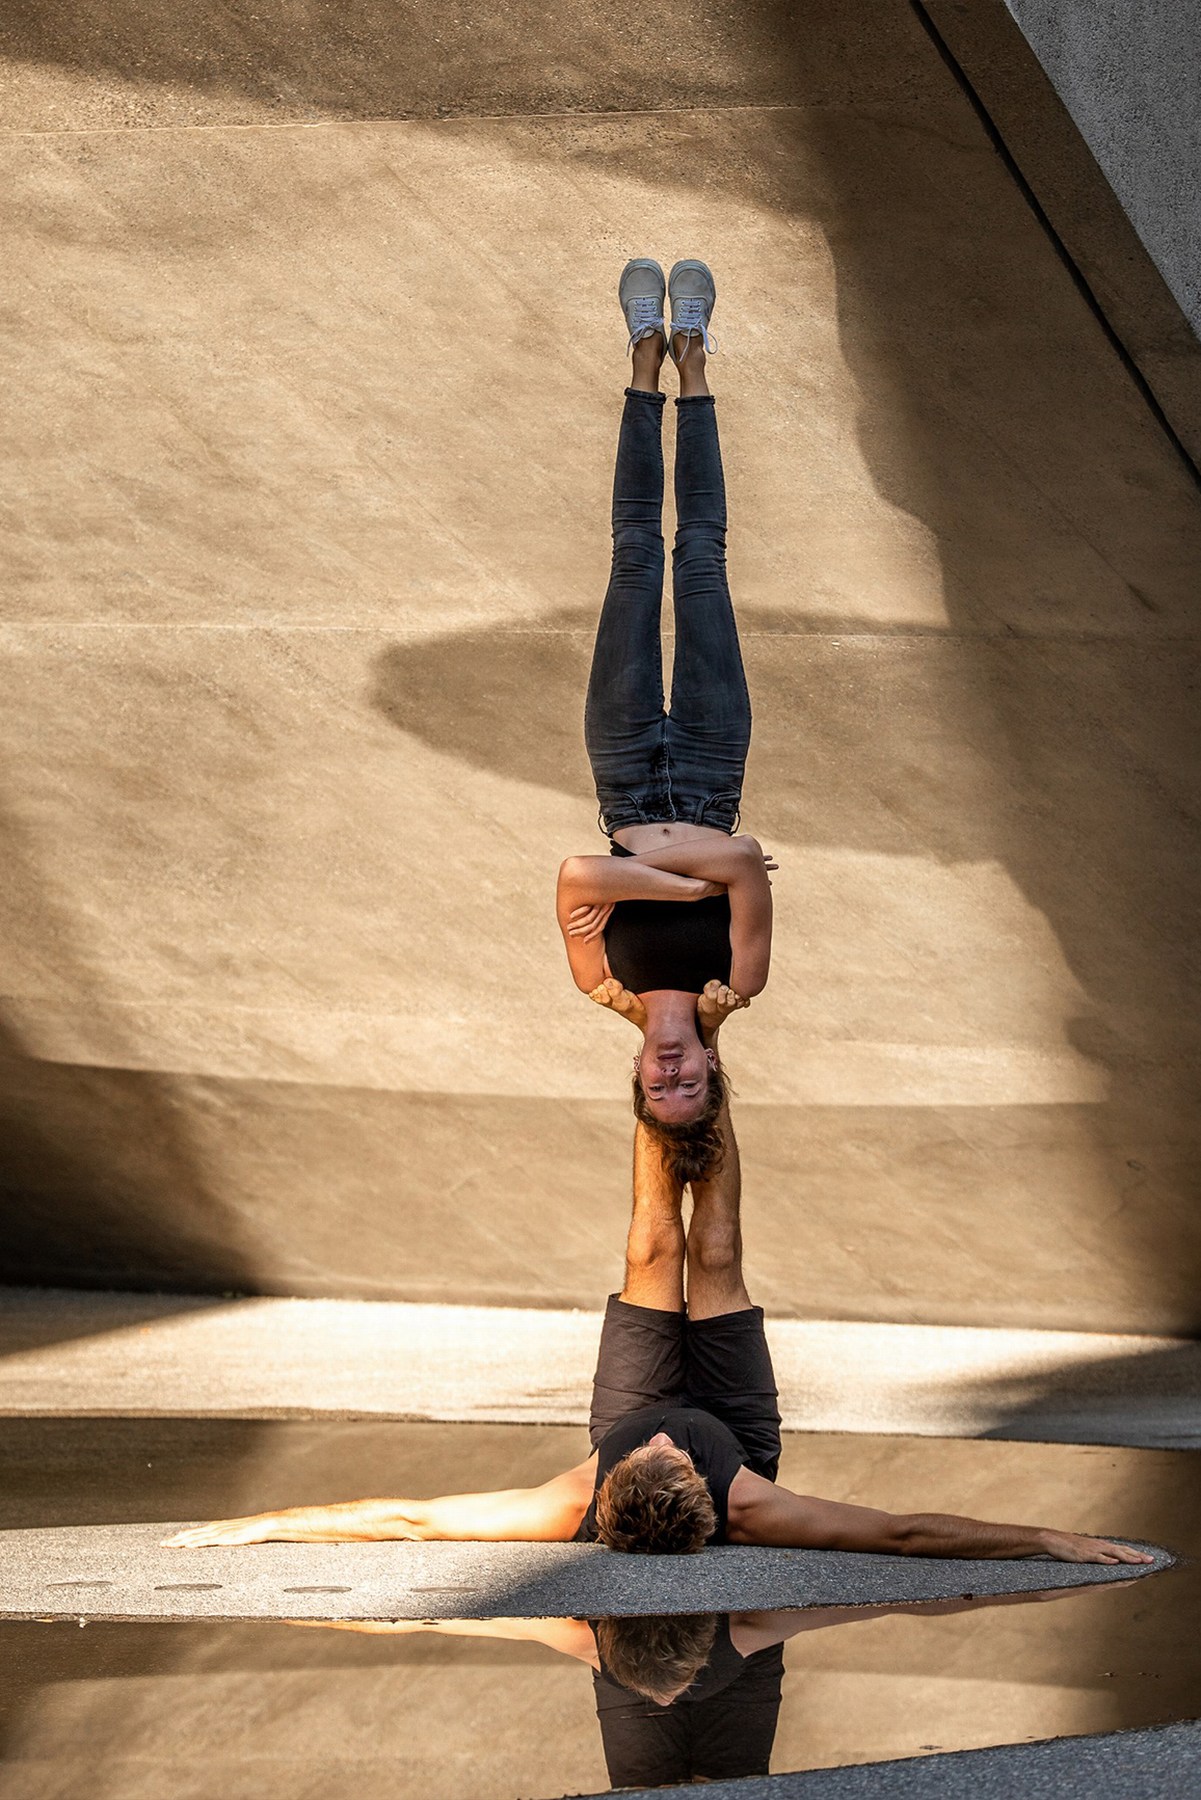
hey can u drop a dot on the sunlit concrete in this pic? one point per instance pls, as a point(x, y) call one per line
point(317, 370)
point(71, 1353)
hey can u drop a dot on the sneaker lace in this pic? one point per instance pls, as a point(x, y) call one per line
point(688, 317)
point(644, 315)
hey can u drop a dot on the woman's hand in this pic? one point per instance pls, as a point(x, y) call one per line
point(714, 1007)
point(588, 922)
point(1068, 1546)
point(610, 993)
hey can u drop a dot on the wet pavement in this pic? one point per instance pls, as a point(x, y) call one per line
point(210, 1709)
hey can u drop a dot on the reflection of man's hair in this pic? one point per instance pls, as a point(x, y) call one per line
point(656, 1657)
point(654, 1502)
point(692, 1152)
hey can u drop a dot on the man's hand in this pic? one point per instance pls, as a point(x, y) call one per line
point(588, 922)
point(714, 1007)
point(257, 1530)
point(1067, 1546)
point(610, 993)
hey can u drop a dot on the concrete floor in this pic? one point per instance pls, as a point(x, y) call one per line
point(318, 369)
point(123, 1572)
point(95, 1355)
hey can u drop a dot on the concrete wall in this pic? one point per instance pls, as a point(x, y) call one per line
point(1130, 75)
point(308, 452)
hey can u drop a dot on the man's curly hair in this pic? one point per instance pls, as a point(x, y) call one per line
point(655, 1504)
point(692, 1152)
point(658, 1657)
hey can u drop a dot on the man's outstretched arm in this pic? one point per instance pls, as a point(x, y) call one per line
point(550, 1513)
point(760, 1512)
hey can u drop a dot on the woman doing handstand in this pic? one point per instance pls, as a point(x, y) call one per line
point(673, 929)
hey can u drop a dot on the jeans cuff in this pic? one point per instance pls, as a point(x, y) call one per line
point(659, 399)
point(693, 399)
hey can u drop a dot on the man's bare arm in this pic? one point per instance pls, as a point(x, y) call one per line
point(763, 1513)
point(550, 1513)
point(571, 1637)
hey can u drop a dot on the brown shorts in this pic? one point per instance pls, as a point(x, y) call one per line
point(721, 1365)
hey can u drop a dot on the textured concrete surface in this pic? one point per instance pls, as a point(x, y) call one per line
point(1165, 1762)
point(1131, 78)
point(133, 1354)
point(121, 1572)
point(318, 376)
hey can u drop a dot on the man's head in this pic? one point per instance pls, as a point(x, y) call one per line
point(655, 1502)
point(657, 1657)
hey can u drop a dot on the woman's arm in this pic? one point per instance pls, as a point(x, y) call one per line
point(602, 880)
point(763, 1513)
point(547, 1514)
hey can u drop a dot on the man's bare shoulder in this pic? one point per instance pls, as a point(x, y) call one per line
point(749, 1494)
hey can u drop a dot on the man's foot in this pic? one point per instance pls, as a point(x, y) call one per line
point(713, 1008)
point(693, 294)
point(641, 291)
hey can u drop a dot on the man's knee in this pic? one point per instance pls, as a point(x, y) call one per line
point(715, 1248)
point(654, 1247)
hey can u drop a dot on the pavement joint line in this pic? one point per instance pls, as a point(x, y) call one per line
point(424, 120)
point(845, 635)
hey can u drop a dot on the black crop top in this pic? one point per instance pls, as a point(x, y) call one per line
point(712, 1446)
point(678, 944)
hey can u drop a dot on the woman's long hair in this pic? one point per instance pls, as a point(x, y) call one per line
point(692, 1152)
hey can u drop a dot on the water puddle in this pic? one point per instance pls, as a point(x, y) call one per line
point(500, 1708)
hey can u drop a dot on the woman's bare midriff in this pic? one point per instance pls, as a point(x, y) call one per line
point(665, 831)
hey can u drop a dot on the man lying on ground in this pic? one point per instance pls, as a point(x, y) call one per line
point(684, 1426)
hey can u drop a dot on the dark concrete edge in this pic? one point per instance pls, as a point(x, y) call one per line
point(804, 1781)
point(1007, 84)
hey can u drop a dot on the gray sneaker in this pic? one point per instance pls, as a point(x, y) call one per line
point(693, 296)
point(641, 291)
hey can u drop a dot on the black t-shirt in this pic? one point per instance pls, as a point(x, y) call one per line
point(712, 1446)
point(722, 1727)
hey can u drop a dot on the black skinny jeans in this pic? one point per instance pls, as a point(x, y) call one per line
point(686, 764)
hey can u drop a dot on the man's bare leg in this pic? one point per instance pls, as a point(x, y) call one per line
point(655, 1245)
point(714, 1247)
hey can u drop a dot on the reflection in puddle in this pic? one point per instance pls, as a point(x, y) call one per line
point(495, 1708)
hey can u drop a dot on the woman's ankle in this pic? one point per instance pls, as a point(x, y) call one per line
point(646, 367)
